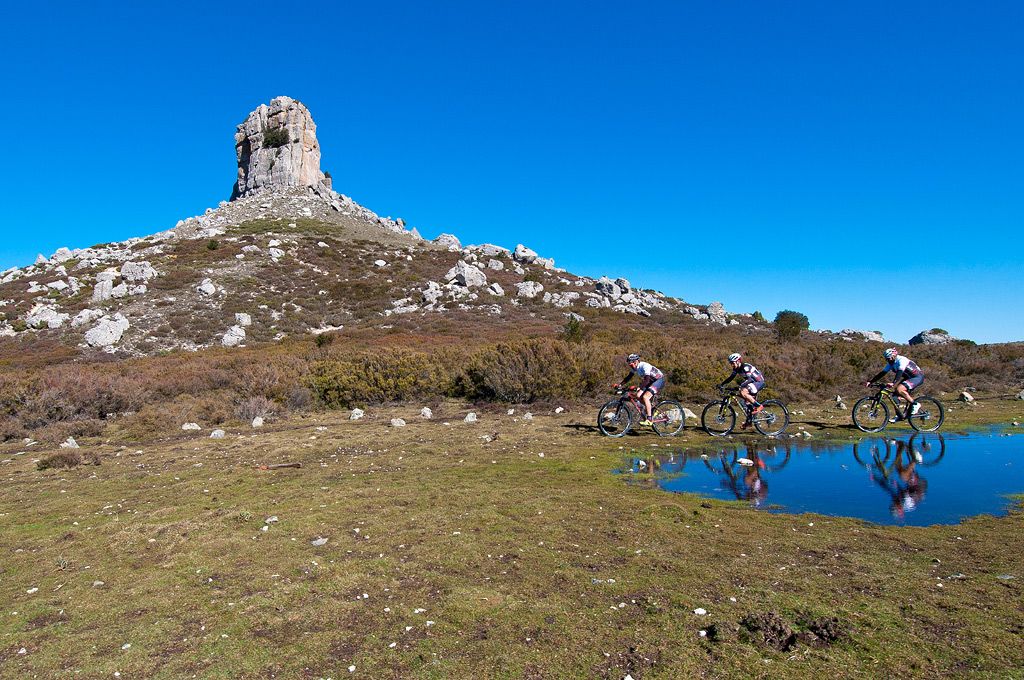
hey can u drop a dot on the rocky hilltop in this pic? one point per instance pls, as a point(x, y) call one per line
point(289, 256)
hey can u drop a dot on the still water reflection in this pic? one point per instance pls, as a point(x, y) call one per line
point(919, 480)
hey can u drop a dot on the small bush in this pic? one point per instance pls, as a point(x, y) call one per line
point(324, 339)
point(253, 407)
point(573, 330)
point(758, 316)
point(67, 459)
point(275, 138)
point(788, 324)
point(533, 275)
point(212, 244)
point(940, 331)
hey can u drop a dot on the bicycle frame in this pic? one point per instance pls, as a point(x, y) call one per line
point(890, 392)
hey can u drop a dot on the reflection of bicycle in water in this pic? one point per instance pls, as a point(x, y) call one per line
point(744, 475)
point(897, 471)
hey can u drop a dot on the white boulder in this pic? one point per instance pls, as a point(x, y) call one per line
point(466, 275)
point(234, 336)
point(524, 254)
point(107, 331)
point(528, 289)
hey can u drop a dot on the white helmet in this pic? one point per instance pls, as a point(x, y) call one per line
point(734, 357)
point(890, 353)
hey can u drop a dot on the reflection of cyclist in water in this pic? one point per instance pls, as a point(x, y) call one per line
point(746, 485)
point(906, 488)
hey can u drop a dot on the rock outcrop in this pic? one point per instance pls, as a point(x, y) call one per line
point(277, 149)
point(935, 336)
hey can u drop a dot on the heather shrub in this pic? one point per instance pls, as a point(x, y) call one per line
point(375, 377)
point(528, 370)
point(253, 407)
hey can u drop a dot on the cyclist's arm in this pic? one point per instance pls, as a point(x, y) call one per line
point(626, 379)
point(879, 376)
point(729, 379)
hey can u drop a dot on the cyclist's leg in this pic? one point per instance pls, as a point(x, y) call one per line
point(905, 388)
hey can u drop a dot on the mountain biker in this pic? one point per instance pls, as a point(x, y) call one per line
point(652, 380)
point(908, 376)
point(751, 382)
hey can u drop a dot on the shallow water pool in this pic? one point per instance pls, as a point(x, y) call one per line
point(920, 480)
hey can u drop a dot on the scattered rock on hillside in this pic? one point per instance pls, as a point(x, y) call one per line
point(966, 397)
point(495, 265)
point(717, 314)
point(470, 417)
point(190, 427)
point(45, 315)
point(61, 255)
point(137, 271)
point(276, 148)
point(206, 287)
point(107, 331)
point(243, 319)
point(528, 289)
point(426, 413)
point(217, 434)
point(1020, 395)
point(854, 334)
point(356, 414)
point(496, 289)
point(85, 316)
point(69, 443)
point(466, 275)
point(935, 336)
point(257, 422)
point(448, 241)
point(397, 422)
point(524, 254)
point(234, 336)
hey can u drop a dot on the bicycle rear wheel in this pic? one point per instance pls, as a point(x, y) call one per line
point(614, 418)
point(870, 415)
point(772, 419)
point(718, 418)
point(668, 418)
point(929, 416)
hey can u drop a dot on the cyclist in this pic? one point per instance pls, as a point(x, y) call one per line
point(652, 380)
point(908, 376)
point(751, 382)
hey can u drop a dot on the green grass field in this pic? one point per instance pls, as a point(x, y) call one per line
point(448, 555)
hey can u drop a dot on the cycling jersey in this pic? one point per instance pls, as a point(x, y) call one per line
point(645, 370)
point(748, 371)
point(903, 367)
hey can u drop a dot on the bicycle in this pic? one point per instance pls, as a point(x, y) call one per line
point(616, 417)
point(871, 414)
point(719, 417)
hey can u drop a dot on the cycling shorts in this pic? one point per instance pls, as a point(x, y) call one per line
point(753, 386)
point(911, 383)
point(654, 387)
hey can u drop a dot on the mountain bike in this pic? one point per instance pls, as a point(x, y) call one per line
point(616, 417)
point(871, 414)
point(719, 417)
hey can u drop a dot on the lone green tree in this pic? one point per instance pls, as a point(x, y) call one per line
point(788, 324)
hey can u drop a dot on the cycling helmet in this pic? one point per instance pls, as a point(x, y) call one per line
point(890, 353)
point(632, 357)
point(735, 356)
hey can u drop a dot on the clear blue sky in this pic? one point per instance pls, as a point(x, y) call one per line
point(861, 162)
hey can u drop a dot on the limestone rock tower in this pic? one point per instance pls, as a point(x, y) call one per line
point(277, 149)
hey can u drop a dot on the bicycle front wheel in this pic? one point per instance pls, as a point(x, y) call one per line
point(870, 415)
point(718, 418)
point(668, 418)
point(614, 419)
point(772, 419)
point(929, 416)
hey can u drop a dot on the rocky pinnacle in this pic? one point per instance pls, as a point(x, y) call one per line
point(277, 149)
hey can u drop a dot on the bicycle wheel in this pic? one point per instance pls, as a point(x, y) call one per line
point(927, 450)
point(873, 454)
point(668, 418)
point(614, 418)
point(929, 416)
point(870, 415)
point(772, 419)
point(718, 418)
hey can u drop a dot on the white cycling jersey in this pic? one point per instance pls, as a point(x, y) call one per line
point(901, 364)
point(646, 370)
